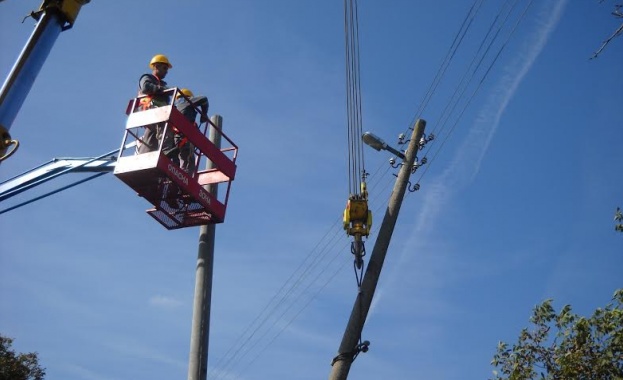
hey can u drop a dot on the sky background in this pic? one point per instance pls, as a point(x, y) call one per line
point(516, 202)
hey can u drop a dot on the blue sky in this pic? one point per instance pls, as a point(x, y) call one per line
point(515, 206)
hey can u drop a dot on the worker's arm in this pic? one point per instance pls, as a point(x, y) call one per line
point(201, 102)
point(149, 86)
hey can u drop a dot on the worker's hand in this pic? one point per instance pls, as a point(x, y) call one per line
point(161, 89)
point(204, 119)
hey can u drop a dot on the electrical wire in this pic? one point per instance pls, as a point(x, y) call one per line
point(288, 291)
point(308, 281)
point(277, 315)
point(454, 46)
point(466, 80)
point(475, 91)
point(299, 288)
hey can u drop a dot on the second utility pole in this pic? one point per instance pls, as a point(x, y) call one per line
point(349, 347)
point(200, 331)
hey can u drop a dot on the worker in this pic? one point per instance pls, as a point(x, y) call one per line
point(187, 103)
point(154, 86)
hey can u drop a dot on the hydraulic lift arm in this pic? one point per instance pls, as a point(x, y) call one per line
point(100, 165)
point(53, 17)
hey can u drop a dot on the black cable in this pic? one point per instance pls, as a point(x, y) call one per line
point(463, 84)
point(458, 38)
point(275, 304)
point(353, 174)
point(482, 79)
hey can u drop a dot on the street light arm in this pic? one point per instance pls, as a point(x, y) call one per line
point(394, 151)
point(377, 143)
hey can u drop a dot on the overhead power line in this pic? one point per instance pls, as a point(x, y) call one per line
point(322, 264)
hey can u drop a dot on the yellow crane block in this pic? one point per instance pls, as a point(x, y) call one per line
point(357, 218)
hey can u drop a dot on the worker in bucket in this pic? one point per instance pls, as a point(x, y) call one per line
point(152, 87)
point(152, 90)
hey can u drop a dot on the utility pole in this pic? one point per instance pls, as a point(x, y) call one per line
point(200, 333)
point(350, 346)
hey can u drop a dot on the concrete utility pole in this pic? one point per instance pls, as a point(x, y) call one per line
point(200, 333)
point(350, 347)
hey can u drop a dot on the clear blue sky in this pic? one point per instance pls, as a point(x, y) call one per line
point(516, 207)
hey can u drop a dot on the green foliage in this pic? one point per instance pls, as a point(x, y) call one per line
point(565, 345)
point(18, 366)
point(618, 217)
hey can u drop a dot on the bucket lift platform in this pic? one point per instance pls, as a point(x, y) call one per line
point(179, 198)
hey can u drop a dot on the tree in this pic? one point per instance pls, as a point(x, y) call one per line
point(618, 217)
point(581, 348)
point(18, 366)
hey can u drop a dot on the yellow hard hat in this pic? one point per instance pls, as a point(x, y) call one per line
point(160, 58)
point(186, 92)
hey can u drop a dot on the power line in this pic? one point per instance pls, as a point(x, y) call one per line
point(480, 83)
point(295, 290)
point(308, 273)
point(458, 39)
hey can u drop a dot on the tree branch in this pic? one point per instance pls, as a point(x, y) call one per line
point(606, 42)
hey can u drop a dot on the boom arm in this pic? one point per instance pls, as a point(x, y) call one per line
point(53, 17)
point(55, 168)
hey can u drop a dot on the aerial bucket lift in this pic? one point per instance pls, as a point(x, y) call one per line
point(179, 197)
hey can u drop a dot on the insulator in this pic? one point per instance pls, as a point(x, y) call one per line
point(430, 137)
point(401, 138)
point(393, 163)
point(415, 187)
point(414, 168)
point(424, 161)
